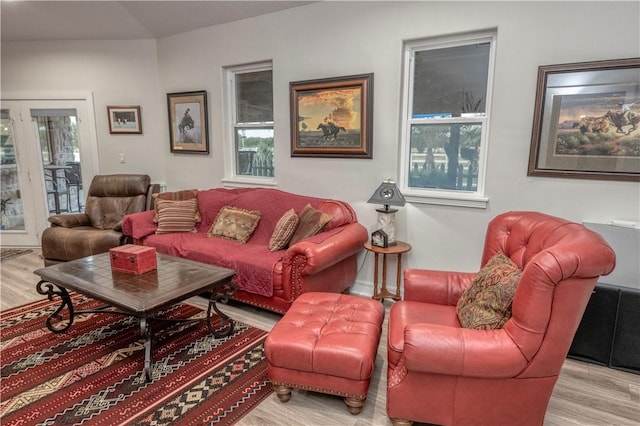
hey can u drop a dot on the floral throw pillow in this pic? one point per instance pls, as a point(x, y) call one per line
point(486, 304)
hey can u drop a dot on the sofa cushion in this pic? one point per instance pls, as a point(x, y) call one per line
point(236, 224)
point(254, 264)
point(183, 195)
point(284, 230)
point(211, 201)
point(176, 216)
point(110, 197)
point(311, 222)
point(272, 204)
point(107, 212)
point(486, 304)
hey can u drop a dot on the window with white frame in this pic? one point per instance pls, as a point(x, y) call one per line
point(445, 120)
point(250, 95)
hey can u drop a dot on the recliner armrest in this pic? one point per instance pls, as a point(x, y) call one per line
point(70, 220)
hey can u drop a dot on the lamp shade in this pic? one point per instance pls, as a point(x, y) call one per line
point(387, 194)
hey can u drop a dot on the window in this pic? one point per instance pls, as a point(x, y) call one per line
point(250, 94)
point(445, 120)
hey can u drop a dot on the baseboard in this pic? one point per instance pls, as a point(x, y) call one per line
point(362, 288)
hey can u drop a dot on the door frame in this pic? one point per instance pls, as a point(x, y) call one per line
point(88, 142)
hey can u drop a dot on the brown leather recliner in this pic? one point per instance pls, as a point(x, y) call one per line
point(442, 373)
point(99, 228)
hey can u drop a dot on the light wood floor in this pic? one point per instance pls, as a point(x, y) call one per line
point(585, 394)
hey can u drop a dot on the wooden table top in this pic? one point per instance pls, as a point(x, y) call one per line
point(176, 279)
point(398, 248)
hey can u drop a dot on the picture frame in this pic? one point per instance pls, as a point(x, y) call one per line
point(188, 122)
point(586, 122)
point(332, 117)
point(124, 120)
point(379, 238)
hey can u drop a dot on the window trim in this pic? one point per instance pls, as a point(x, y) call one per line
point(232, 178)
point(478, 198)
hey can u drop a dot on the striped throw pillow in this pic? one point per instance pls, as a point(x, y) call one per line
point(185, 194)
point(176, 216)
point(283, 231)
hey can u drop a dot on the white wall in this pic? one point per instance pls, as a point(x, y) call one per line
point(342, 38)
point(118, 73)
point(331, 39)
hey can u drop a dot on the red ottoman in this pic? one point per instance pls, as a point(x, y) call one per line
point(326, 342)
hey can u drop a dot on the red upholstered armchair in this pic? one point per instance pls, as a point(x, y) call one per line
point(442, 373)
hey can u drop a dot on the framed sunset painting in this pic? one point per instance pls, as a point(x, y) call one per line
point(332, 117)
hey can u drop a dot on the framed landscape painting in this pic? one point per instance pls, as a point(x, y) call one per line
point(188, 122)
point(587, 121)
point(332, 117)
point(124, 120)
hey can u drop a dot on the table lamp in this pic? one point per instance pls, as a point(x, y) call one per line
point(386, 194)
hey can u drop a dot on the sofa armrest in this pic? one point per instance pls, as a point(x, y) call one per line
point(139, 225)
point(326, 249)
point(439, 287)
point(436, 349)
point(70, 220)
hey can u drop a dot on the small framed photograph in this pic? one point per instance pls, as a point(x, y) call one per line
point(379, 238)
point(332, 117)
point(124, 120)
point(188, 122)
point(587, 121)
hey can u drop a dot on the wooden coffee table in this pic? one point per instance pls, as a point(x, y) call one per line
point(142, 296)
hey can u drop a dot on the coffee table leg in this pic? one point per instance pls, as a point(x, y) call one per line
point(46, 288)
point(145, 332)
point(221, 293)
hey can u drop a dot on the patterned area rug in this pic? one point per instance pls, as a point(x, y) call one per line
point(8, 253)
point(93, 372)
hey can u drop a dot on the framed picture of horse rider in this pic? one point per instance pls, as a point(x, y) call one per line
point(188, 122)
point(332, 117)
point(586, 122)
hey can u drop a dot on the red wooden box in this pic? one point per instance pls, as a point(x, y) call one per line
point(133, 259)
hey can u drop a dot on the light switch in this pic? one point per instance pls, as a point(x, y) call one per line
point(122, 159)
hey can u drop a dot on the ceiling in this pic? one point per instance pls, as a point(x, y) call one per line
point(122, 20)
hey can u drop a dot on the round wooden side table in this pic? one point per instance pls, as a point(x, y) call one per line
point(398, 248)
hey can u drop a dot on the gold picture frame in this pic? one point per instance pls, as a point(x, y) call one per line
point(332, 117)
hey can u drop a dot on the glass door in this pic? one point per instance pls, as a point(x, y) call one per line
point(57, 133)
point(47, 151)
point(17, 209)
point(11, 207)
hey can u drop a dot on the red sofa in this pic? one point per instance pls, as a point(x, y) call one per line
point(271, 280)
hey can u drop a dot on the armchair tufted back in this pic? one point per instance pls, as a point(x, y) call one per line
point(110, 197)
point(561, 262)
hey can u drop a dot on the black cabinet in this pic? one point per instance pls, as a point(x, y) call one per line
point(609, 333)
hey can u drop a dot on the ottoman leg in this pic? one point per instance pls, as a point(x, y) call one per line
point(283, 392)
point(354, 405)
